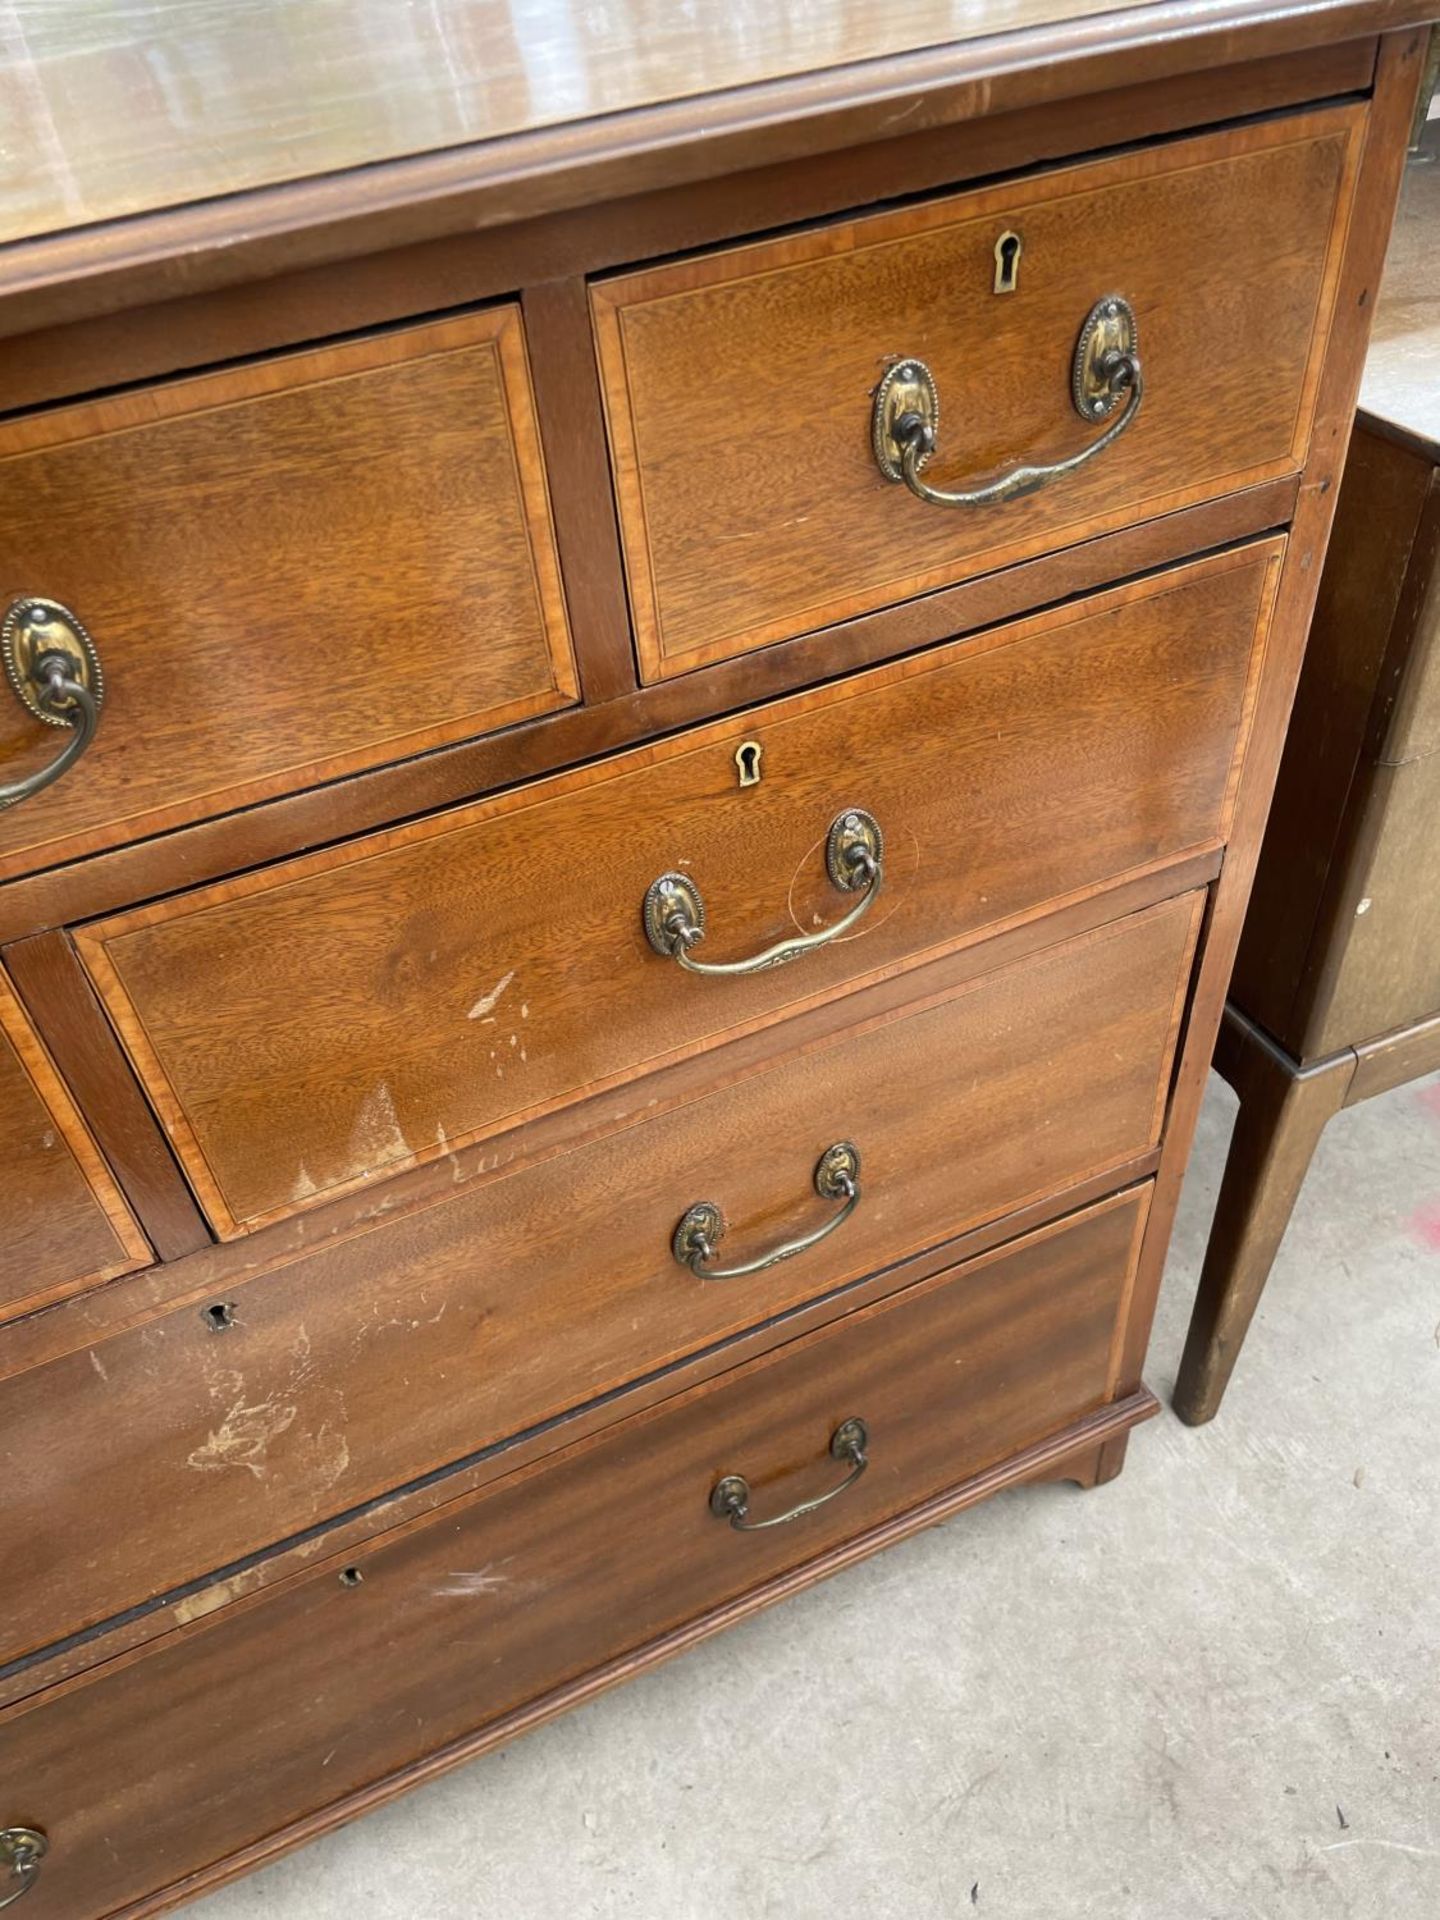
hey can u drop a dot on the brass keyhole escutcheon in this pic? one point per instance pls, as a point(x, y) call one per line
point(748, 756)
point(1008, 249)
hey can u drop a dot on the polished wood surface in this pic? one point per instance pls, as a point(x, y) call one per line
point(738, 384)
point(212, 849)
point(440, 249)
point(1009, 773)
point(157, 1768)
point(1096, 759)
point(63, 1222)
point(210, 1273)
point(186, 1449)
point(171, 101)
point(58, 996)
point(277, 598)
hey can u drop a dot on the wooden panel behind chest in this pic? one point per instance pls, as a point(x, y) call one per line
point(143, 1461)
point(373, 1007)
point(284, 1704)
point(738, 384)
point(63, 1222)
point(291, 571)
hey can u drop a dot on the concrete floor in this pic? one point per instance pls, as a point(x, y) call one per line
point(1209, 1691)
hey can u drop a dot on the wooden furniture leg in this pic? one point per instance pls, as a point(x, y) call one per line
point(1283, 1111)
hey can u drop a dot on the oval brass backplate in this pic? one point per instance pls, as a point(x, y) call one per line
point(851, 832)
point(1110, 329)
point(34, 627)
point(837, 1170)
point(672, 899)
point(909, 387)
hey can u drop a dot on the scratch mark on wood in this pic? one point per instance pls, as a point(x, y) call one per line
point(488, 1002)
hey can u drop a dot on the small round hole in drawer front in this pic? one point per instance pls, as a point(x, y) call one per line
point(219, 1316)
point(351, 1576)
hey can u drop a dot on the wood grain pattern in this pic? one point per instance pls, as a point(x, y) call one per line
point(60, 1001)
point(211, 1272)
point(291, 570)
point(431, 256)
point(185, 1450)
point(605, 1549)
point(63, 1222)
point(252, 236)
point(277, 829)
point(738, 384)
point(1010, 773)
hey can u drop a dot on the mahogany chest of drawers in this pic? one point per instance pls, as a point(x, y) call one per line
point(632, 752)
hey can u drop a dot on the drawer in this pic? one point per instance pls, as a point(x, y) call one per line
point(143, 1773)
point(138, 1463)
point(739, 385)
point(303, 1029)
point(64, 1224)
point(290, 571)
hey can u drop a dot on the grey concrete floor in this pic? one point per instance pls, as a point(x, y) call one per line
point(1208, 1691)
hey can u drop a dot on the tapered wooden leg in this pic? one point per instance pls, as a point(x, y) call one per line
point(1283, 1112)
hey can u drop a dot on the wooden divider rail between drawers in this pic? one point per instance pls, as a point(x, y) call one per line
point(291, 570)
point(738, 384)
point(144, 1772)
point(64, 1224)
point(302, 1029)
point(140, 1462)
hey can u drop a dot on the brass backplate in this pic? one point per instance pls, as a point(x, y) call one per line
point(703, 1221)
point(34, 627)
point(908, 387)
point(851, 831)
point(673, 897)
point(1110, 329)
point(838, 1163)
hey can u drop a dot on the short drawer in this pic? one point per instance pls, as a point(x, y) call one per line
point(64, 1224)
point(303, 1029)
point(739, 385)
point(278, 1708)
point(149, 1459)
point(289, 571)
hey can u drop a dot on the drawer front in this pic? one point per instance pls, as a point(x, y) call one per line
point(154, 1770)
point(183, 1449)
point(290, 571)
point(303, 1029)
point(739, 385)
point(64, 1224)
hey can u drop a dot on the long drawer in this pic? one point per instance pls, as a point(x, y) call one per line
point(289, 571)
point(64, 1223)
point(305, 1028)
point(741, 386)
point(140, 1462)
point(141, 1774)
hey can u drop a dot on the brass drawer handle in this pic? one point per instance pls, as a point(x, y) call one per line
point(21, 1850)
point(905, 418)
point(54, 672)
point(730, 1497)
point(702, 1227)
point(854, 859)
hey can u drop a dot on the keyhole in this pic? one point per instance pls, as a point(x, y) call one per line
point(747, 759)
point(1007, 262)
point(219, 1317)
